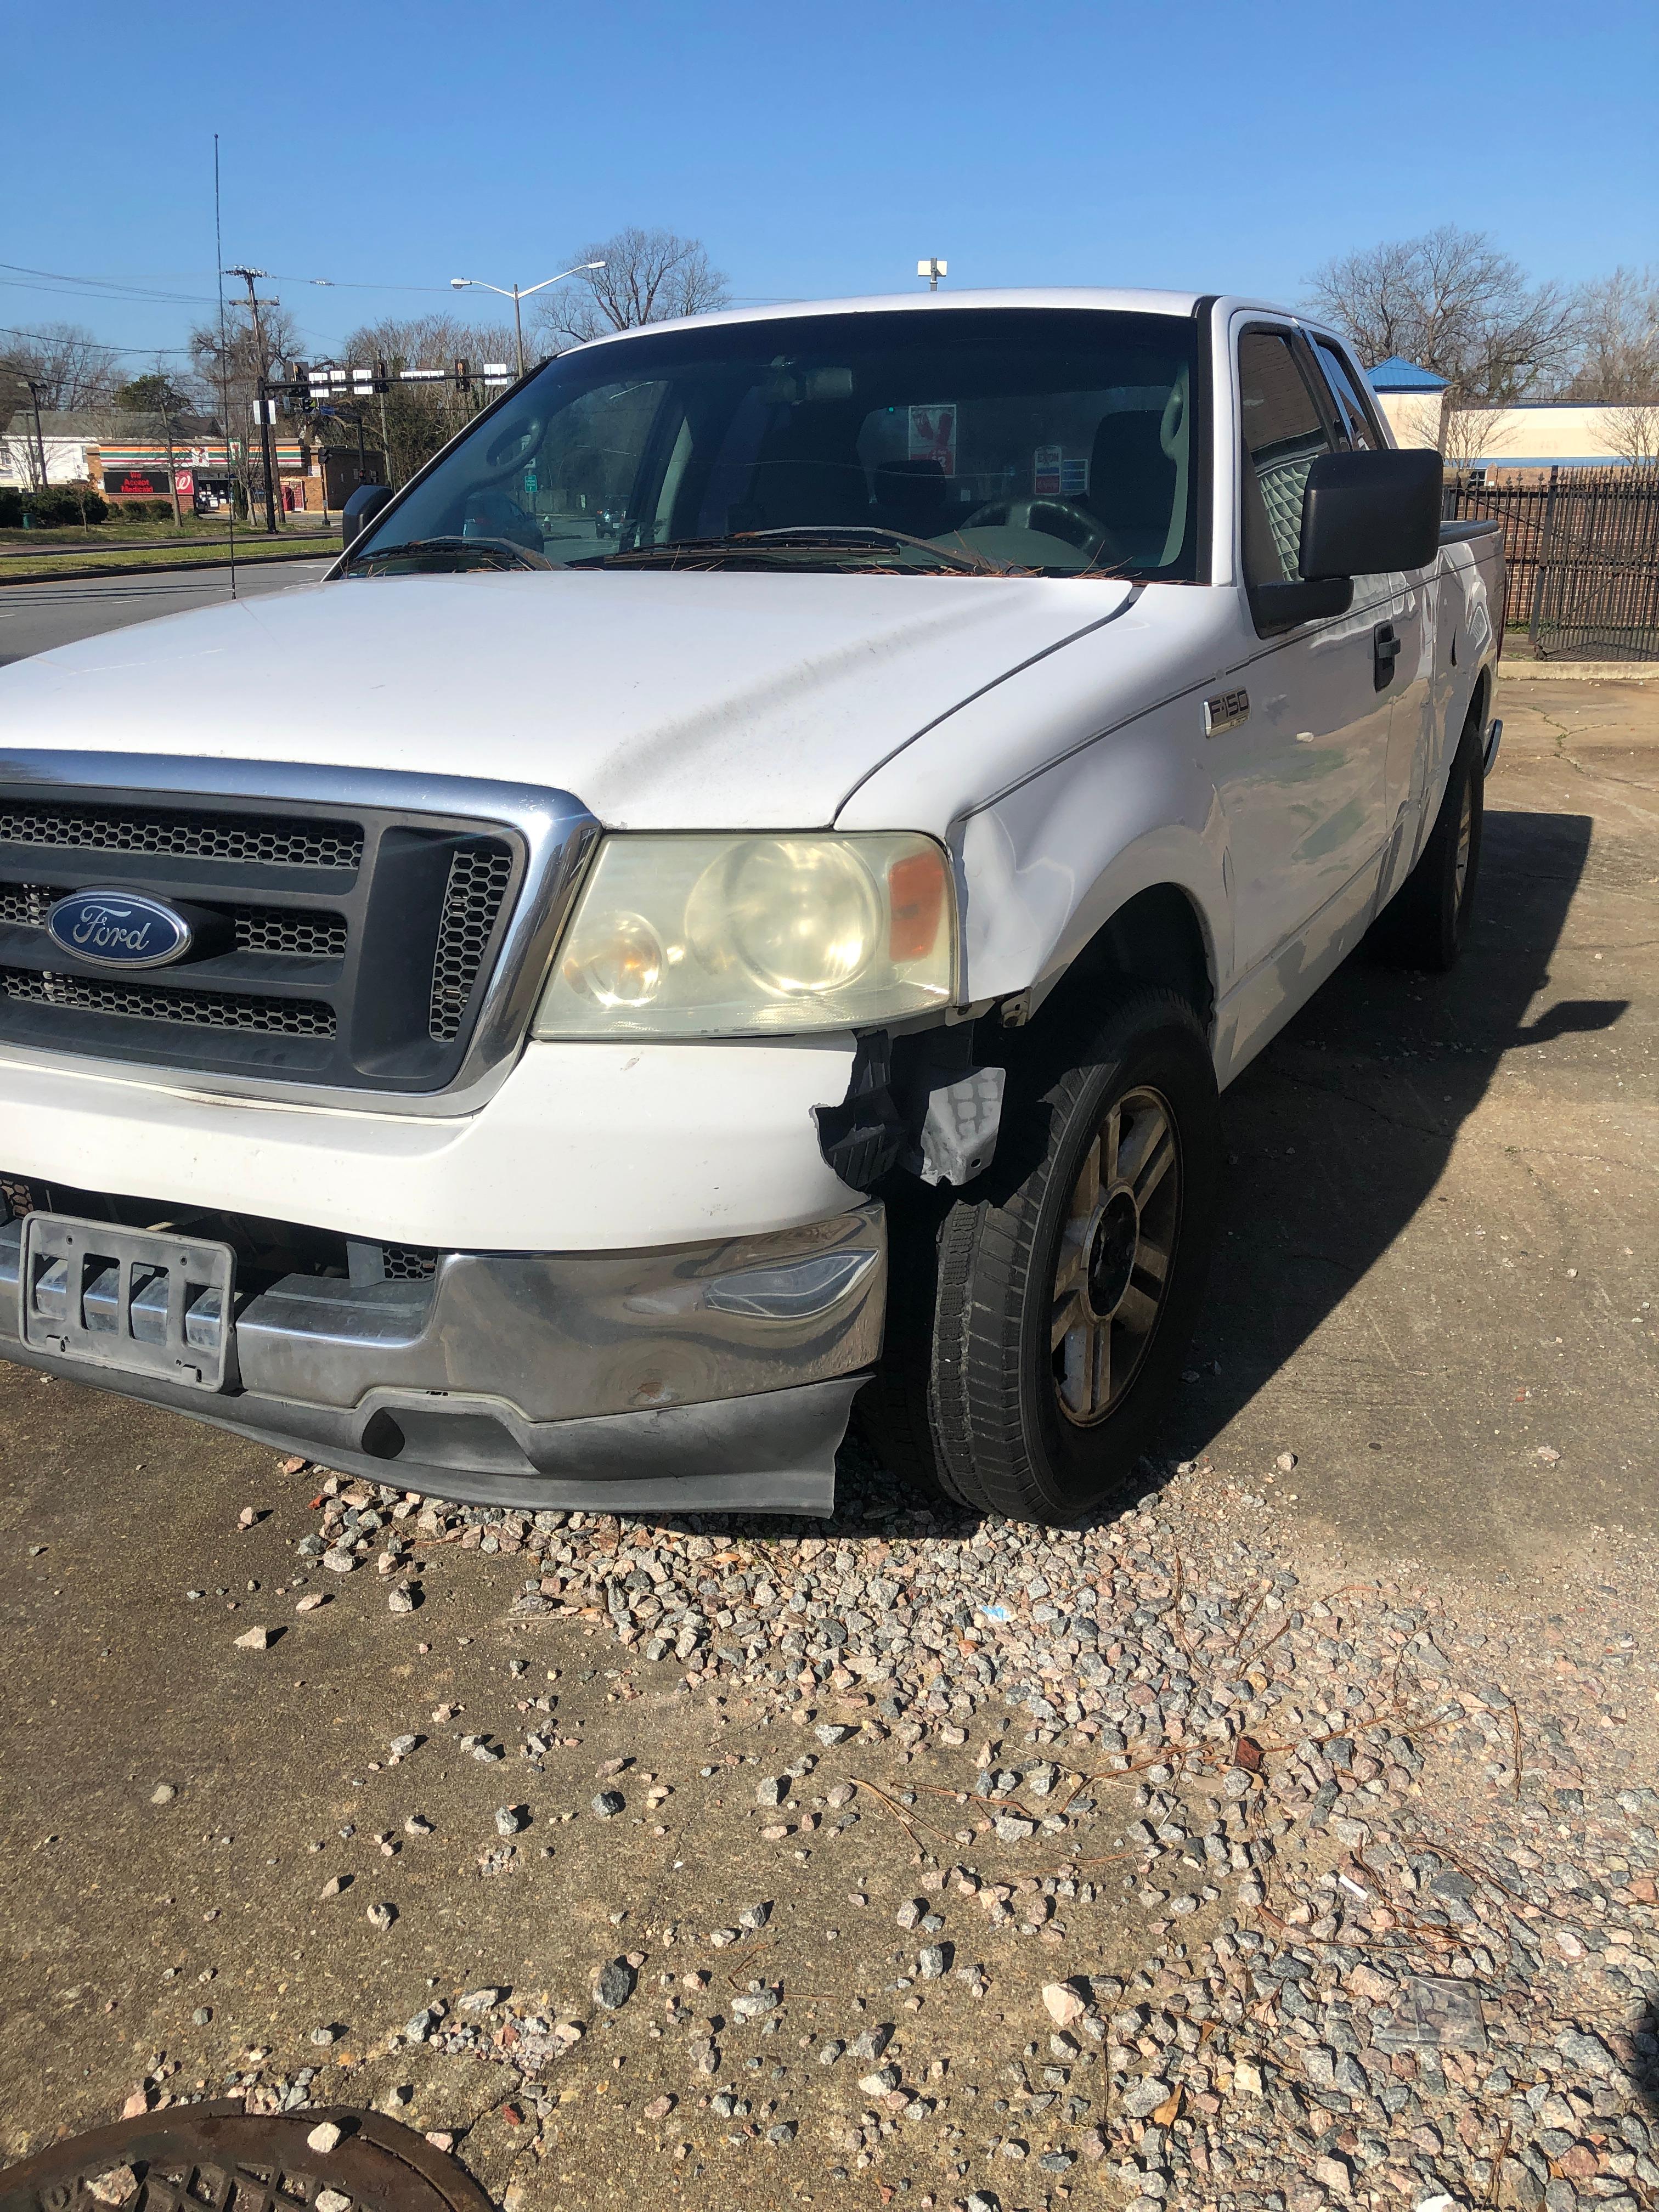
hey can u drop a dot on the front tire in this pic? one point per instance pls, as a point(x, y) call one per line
point(1066, 1302)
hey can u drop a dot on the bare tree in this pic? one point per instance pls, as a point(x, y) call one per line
point(648, 276)
point(1453, 302)
point(1469, 436)
point(1631, 431)
point(227, 371)
point(1618, 359)
point(74, 370)
point(156, 397)
point(415, 420)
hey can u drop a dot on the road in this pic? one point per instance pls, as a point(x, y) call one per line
point(1409, 1486)
point(34, 618)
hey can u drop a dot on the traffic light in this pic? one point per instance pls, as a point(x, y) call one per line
point(464, 377)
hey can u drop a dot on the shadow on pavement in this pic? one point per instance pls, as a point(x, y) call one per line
point(1339, 1133)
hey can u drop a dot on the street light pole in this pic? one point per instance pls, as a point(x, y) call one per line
point(516, 295)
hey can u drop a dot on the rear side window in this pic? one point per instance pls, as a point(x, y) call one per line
point(1284, 433)
point(1354, 417)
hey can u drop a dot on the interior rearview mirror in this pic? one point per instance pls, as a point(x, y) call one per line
point(361, 509)
point(1368, 511)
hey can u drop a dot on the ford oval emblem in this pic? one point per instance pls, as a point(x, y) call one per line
point(119, 929)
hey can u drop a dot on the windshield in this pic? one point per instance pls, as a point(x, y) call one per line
point(1055, 441)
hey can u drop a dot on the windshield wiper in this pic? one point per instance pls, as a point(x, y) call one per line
point(494, 552)
point(848, 538)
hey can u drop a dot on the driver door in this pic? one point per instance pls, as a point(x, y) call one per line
point(1302, 780)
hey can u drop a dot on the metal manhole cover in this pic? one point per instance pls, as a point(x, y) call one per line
point(218, 2158)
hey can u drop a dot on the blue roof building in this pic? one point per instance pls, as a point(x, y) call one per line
point(1396, 374)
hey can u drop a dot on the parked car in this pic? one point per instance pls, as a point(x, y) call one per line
point(581, 999)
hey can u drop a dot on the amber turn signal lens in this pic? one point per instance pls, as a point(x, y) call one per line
point(915, 893)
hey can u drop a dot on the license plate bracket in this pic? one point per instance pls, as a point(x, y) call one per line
point(141, 1301)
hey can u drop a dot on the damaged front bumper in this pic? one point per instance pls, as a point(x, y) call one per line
point(716, 1376)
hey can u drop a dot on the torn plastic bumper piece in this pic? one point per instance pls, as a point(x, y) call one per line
point(716, 1376)
point(959, 1128)
point(914, 1101)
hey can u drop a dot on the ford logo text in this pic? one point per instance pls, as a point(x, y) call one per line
point(119, 929)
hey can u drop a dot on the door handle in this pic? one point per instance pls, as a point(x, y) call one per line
point(1385, 650)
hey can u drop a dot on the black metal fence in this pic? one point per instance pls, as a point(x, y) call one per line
point(1582, 552)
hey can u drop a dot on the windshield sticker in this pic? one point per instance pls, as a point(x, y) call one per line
point(934, 435)
point(1055, 477)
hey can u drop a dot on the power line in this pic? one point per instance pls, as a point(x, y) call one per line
point(112, 288)
point(48, 337)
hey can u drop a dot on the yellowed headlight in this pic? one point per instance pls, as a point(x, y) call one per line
point(726, 936)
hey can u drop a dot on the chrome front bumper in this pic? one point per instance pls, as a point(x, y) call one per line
point(714, 1375)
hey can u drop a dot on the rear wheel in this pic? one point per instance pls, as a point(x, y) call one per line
point(1426, 922)
point(1064, 1300)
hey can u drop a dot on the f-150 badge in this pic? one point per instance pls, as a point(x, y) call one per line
point(1225, 711)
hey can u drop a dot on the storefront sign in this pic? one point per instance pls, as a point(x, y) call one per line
point(134, 483)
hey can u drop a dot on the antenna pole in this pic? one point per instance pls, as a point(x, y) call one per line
point(224, 358)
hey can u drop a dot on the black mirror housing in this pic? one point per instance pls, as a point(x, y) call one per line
point(1281, 606)
point(361, 509)
point(1364, 513)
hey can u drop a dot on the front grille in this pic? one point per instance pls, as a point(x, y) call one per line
point(297, 930)
point(18, 1196)
point(303, 932)
point(144, 1002)
point(263, 839)
point(479, 873)
point(346, 944)
point(407, 1263)
point(28, 904)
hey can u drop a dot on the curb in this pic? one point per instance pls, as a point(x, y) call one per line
point(69, 575)
point(1579, 671)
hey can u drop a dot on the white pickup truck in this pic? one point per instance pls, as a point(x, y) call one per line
point(741, 890)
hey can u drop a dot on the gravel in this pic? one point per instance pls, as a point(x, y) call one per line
point(1221, 1874)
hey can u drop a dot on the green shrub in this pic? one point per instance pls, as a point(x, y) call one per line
point(11, 507)
point(60, 506)
point(146, 510)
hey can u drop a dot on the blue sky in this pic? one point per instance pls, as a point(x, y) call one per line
point(817, 151)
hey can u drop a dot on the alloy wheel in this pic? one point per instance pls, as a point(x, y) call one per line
point(1116, 1250)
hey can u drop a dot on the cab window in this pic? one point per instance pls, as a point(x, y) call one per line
point(1284, 433)
point(1353, 418)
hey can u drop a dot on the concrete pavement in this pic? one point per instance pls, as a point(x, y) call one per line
point(1441, 1253)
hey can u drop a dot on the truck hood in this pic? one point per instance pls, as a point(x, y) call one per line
point(671, 700)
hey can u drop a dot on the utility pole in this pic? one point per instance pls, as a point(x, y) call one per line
point(39, 439)
point(267, 448)
point(166, 399)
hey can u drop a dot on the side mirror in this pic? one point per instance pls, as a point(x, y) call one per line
point(1281, 606)
point(1366, 512)
point(361, 509)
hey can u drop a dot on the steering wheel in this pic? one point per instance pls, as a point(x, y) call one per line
point(1080, 528)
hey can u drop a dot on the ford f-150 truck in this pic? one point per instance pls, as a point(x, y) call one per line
point(739, 894)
